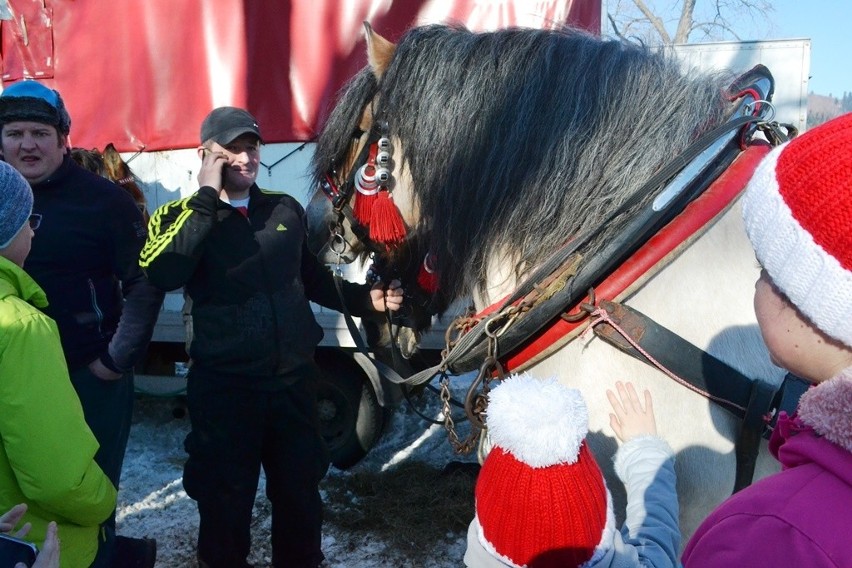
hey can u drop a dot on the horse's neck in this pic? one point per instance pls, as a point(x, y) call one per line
point(706, 296)
point(500, 283)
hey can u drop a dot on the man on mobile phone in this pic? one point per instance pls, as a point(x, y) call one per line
point(241, 255)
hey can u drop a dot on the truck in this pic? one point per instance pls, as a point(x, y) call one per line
point(166, 78)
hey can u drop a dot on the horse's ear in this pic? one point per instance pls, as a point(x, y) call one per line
point(110, 151)
point(379, 51)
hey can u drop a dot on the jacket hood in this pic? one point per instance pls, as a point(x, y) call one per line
point(14, 281)
point(827, 408)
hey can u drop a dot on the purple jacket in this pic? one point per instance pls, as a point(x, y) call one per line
point(801, 516)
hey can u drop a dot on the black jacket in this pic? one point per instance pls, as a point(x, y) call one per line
point(249, 281)
point(84, 255)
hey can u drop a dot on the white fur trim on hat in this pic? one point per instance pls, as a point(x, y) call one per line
point(812, 279)
point(539, 421)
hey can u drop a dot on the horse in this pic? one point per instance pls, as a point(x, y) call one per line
point(111, 165)
point(499, 148)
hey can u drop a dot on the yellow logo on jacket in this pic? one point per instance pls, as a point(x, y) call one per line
point(280, 227)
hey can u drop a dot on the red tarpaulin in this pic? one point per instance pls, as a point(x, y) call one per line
point(143, 74)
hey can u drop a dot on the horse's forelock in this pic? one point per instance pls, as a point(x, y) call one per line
point(336, 138)
point(517, 140)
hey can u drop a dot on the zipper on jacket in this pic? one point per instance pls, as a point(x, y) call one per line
point(93, 295)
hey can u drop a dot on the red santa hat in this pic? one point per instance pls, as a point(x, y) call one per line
point(798, 215)
point(541, 499)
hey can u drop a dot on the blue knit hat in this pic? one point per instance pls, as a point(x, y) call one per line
point(16, 203)
point(30, 101)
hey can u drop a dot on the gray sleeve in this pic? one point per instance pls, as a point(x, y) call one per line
point(651, 535)
point(142, 302)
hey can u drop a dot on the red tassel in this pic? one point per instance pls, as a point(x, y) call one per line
point(364, 202)
point(366, 188)
point(386, 224)
point(427, 278)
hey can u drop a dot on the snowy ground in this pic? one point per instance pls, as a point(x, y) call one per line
point(152, 501)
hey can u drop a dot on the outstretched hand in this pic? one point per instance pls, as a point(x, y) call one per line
point(629, 419)
point(389, 298)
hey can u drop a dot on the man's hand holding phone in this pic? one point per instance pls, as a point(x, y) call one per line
point(212, 172)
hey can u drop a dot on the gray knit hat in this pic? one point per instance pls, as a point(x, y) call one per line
point(33, 102)
point(16, 203)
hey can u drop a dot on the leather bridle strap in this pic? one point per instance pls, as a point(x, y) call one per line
point(363, 353)
point(751, 401)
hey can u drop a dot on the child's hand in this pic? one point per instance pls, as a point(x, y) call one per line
point(630, 419)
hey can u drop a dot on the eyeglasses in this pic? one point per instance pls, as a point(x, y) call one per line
point(35, 221)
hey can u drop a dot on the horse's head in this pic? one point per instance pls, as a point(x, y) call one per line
point(352, 214)
point(111, 165)
point(362, 206)
point(118, 171)
point(91, 160)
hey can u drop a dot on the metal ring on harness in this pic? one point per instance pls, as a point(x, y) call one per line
point(336, 237)
point(583, 309)
point(752, 107)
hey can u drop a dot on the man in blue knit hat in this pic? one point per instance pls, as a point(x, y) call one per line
point(85, 259)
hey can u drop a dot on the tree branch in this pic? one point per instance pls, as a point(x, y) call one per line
point(614, 25)
point(684, 24)
point(656, 22)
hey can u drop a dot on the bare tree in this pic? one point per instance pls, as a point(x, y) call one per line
point(649, 21)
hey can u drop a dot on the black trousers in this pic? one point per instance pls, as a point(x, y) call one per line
point(108, 408)
point(238, 425)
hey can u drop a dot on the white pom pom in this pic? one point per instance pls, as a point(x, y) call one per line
point(539, 421)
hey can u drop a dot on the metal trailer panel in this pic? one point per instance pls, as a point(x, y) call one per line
point(789, 60)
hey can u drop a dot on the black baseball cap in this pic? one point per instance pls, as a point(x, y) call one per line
point(224, 124)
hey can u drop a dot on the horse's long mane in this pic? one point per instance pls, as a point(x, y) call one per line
point(519, 139)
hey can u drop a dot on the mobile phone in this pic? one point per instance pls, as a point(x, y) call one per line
point(224, 166)
point(14, 550)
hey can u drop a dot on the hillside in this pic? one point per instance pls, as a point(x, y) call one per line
point(822, 108)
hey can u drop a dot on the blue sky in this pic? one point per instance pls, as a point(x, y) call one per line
point(829, 25)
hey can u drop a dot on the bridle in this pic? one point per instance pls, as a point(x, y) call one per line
point(340, 196)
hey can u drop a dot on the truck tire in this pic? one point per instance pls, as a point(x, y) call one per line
point(351, 420)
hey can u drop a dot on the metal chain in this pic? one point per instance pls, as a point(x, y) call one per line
point(459, 446)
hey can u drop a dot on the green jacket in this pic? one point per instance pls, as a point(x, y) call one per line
point(47, 451)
